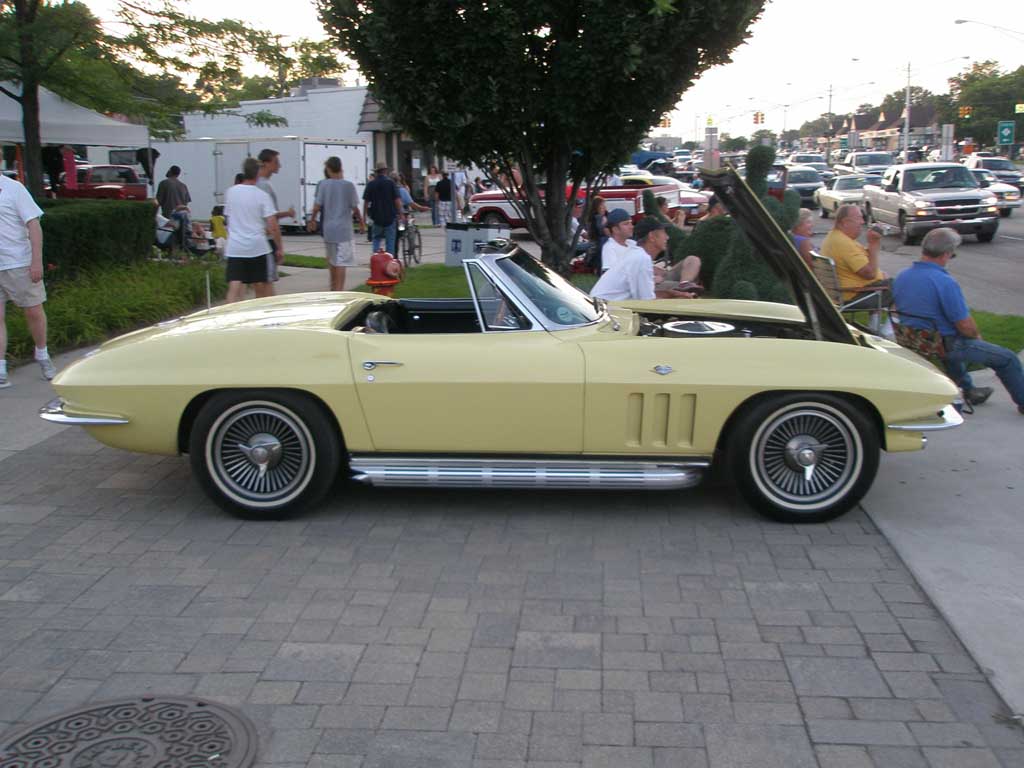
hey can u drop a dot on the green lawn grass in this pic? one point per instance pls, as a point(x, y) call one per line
point(309, 262)
point(1004, 330)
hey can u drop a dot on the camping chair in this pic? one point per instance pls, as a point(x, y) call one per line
point(869, 299)
point(927, 343)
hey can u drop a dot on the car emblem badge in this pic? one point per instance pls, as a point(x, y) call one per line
point(662, 370)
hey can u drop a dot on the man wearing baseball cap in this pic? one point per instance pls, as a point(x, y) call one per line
point(620, 227)
point(633, 277)
point(382, 203)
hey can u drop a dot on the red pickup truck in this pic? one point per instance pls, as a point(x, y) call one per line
point(493, 207)
point(105, 182)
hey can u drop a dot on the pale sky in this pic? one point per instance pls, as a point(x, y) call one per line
point(796, 51)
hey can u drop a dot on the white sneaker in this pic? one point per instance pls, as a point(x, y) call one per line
point(4, 381)
point(47, 367)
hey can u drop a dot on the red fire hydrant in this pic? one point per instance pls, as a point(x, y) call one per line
point(385, 272)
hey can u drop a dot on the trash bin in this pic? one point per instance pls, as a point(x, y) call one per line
point(462, 240)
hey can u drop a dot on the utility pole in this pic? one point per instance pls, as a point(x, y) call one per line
point(906, 121)
point(828, 128)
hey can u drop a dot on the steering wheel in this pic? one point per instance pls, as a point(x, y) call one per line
point(379, 322)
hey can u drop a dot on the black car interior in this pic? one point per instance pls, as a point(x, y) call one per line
point(409, 316)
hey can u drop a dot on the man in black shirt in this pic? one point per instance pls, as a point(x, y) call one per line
point(444, 197)
point(382, 204)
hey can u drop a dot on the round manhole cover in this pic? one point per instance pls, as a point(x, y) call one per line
point(143, 732)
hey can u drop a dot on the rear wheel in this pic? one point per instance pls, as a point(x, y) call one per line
point(802, 458)
point(263, 454)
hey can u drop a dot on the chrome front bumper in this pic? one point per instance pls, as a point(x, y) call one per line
point(949, 417)
point(963, 226)
point(54, 411)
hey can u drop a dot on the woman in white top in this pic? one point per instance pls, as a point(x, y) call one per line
point(430, 180)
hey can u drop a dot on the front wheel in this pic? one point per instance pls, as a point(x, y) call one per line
point(986, 235)
point(262, 454)
point(415, 244)
point(803, 458)
point(824, 212)
point(493, 220)
point(1006, 212)
point(869, 217)
point(909, 238)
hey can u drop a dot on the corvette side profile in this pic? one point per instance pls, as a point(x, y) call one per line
point(529, 383)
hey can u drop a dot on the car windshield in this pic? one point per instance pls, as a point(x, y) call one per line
point(560, 302)
point(847, 184)
point(804, 177)
point(818, 166)
point(873, 158)
point(998, 164)
point(954, 176)
point(808, 159)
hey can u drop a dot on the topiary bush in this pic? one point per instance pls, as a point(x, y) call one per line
point(743, 274)
point(82, 234)
point(710, 241)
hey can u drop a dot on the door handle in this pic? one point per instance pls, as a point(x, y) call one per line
point(369, 365)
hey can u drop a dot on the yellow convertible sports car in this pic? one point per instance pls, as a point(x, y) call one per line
point(528, 384)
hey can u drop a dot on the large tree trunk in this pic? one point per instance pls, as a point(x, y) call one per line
point(33, 154)
point(26, 12)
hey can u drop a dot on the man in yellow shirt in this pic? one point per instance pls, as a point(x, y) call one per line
point(856, 266)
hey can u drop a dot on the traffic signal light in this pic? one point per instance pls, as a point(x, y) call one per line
point(758, 118)
point(965, 112)
point(665, 122)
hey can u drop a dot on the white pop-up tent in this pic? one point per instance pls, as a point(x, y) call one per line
point(64, 122)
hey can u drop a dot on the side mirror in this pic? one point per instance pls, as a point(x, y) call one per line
point(892, 187)
point(983, 183)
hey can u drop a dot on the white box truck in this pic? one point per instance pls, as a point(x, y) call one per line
point(208, 168)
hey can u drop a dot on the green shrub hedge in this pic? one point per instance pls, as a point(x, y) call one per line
point(107, 300)
point(81, 234)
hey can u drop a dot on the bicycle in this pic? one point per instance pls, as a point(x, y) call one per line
point(411, 241)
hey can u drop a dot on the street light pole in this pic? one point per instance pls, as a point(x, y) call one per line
point(906, 121)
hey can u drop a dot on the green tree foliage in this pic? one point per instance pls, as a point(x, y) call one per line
point(733, 143)
point(760, 134)
point(991, 94)
point(743, 274)
point(162, 64)
point(35, 37)
point(543, 92)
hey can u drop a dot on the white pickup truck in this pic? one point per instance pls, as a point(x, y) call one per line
point(864, 162)
point(923, 196)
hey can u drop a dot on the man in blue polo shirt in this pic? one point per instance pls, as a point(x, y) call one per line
point(931, 299)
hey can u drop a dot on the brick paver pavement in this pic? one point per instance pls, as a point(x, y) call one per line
point(434, 629)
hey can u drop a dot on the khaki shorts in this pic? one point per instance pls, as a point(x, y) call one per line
point(340, 254)
point(16, 285)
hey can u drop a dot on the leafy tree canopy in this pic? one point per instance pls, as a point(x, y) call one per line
point(557, 89)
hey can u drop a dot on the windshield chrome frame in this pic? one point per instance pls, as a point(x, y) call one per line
point(488, 263)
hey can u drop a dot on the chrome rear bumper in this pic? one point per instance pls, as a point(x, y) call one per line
point(949, 417)
point(54, 411)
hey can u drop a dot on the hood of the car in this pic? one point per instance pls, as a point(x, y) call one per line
point(949, 193)
point(776, 248)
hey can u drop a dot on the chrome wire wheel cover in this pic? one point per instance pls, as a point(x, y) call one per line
point(260, 454)
point(806, 456)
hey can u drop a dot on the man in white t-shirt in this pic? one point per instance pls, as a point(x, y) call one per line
point(632, 276)
point(21, 271)
point(252, 219)
point(620, 227)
